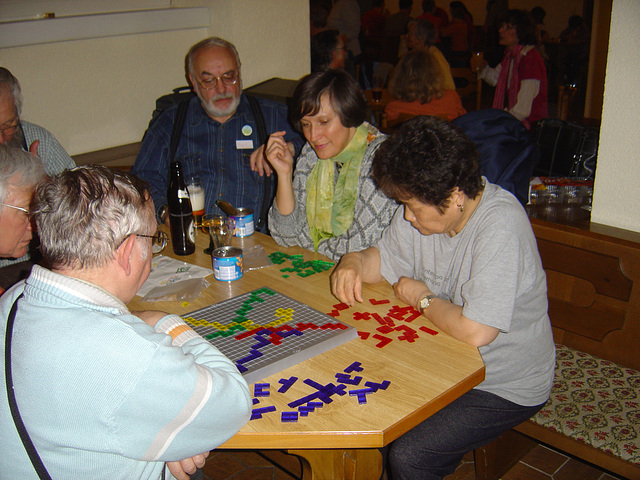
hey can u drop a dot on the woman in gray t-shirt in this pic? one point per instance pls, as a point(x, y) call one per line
point(462, 251)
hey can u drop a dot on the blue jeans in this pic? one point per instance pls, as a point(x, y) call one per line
point(434, 448)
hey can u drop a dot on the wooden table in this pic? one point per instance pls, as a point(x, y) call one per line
point(341, 439)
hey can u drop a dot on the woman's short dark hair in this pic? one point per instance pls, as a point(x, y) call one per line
point(524, 25)
point(344, 93)
point(323, 45)
point(417, 77)
point(426, 158)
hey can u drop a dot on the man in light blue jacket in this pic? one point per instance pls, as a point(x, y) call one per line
point(103, 392)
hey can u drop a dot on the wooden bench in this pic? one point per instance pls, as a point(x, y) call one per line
point(593, 278)
point(121, 157)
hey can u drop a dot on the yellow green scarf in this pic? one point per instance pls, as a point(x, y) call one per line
point(330, 208)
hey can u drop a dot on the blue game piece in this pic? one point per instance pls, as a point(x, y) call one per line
point(354, 367)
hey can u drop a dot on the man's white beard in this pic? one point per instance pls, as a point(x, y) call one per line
point(216, 112)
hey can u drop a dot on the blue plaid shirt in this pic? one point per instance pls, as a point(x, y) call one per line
point(224, 149)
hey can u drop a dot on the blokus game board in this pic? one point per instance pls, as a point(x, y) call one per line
point(263, 331)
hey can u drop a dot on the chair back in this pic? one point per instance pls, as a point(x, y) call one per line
point(467, 83)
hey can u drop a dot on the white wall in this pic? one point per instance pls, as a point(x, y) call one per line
point(99, 93)
point(616, 199)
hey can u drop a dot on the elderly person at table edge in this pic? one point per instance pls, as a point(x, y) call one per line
point(20, 171)
point(462, 251)
point(422, 36)
point(521, 76)
point(30, 137)
point(221, 128)
point(329, 203)
point(105, 392)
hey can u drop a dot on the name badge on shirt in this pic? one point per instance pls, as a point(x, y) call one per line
point(244, 144)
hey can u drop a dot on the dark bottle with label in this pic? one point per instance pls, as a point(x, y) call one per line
point(180, 213)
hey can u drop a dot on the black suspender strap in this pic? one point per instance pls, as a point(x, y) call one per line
point(13, 406)
point(178, 124)
point(262, 138)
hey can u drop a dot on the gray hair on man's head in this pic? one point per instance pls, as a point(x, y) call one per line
point(84, 214)
point(11, 83)
point(208, 43)
point(18, 169)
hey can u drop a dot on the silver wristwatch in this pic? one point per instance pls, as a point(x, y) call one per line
point(425, 302)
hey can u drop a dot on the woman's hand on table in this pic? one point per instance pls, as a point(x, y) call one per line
point(354, 269)
point(182, 469)
point(346, 279)
point(410, 290)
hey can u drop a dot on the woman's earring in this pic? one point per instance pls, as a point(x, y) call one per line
point(461, 207)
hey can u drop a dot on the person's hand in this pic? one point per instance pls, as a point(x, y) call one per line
point(346, 279)
point(150, 317)
point(182, 469)
point(33, 148)
point(258, 162)
point(410, 290)
point(279, 154)
point(477, 63)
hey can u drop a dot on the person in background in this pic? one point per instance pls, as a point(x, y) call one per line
point(422, 36)
point(457, 32)
point(435, 15)
point(220, 126)
point(493, 51)
point(20, 172)
point(317, 19)
point(542, 36)
point(327, 51)
point(33, 138)
point(373, 21)
point(326, 201)
point(345, 17)
point(417, 83)
point(461, 250)
point(105, 392)
point(521, 77)
point(397, 23)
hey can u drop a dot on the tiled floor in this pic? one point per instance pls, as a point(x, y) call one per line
point(541, 463)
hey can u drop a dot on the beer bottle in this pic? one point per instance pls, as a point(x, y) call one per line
point(180, 213)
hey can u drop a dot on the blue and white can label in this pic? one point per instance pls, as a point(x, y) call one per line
point(227, 263)
point(244, 222)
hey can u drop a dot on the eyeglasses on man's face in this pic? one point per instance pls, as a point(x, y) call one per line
point(209, 82)
point(9, 128)
point(27, 213)
point(159, 240)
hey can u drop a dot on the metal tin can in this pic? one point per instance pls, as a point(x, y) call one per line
point(227, 263)
point(244, 222)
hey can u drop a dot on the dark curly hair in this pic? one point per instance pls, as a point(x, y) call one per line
point(524, 25)
point(426, 158)
point(344, 93)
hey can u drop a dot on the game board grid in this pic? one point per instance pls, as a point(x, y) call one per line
point(295, 332)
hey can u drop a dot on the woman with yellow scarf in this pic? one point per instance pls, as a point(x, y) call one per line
point(328, 202)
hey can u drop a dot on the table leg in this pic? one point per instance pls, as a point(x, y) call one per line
point(356, 464)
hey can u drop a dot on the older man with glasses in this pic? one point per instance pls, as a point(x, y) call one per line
point(101, 391)
point(19, 173)
point(29, 137)
point(222, 127)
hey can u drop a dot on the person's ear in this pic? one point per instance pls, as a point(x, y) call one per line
point(123, 254)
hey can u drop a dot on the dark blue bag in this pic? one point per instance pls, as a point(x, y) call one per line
point(508, 151)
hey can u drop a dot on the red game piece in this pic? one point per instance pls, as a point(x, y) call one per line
point(363, 335)
point(383, 340)
point(428, 330)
